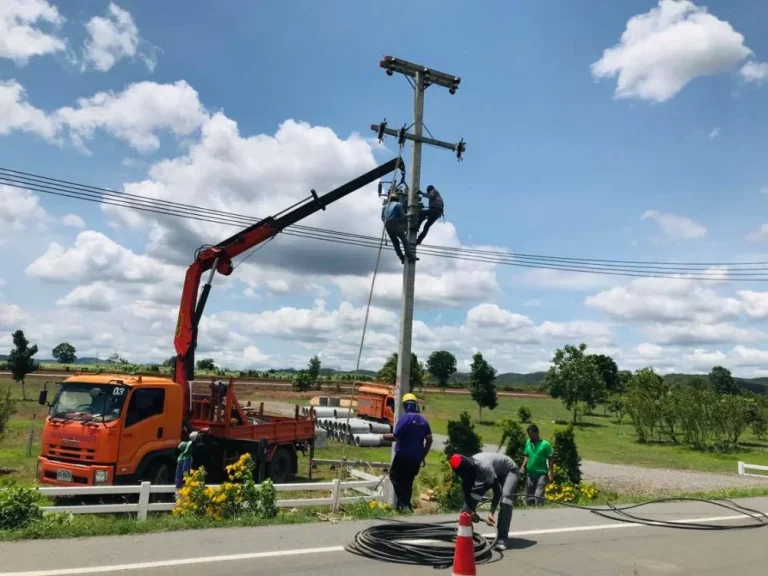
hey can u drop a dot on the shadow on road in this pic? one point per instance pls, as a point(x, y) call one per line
point(520, 543)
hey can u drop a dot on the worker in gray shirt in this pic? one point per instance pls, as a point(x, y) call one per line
point(484, 471)
point(430, 214)
point(394, 218)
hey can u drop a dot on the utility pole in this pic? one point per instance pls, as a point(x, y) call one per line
point(420, 78)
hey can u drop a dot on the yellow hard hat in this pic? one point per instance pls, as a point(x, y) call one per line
point(410, 398)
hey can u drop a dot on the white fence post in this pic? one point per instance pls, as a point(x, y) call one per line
point(387, 492)
point(335, 495)
point(742, 469)
point(146, 488)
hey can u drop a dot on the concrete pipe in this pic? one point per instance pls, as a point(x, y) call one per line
point(358, 427)
point(368, 440)
point(379, 428)
point(344, 413)
point(325, 412)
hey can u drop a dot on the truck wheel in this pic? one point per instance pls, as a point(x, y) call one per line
point(280, 466)
point(159, 473)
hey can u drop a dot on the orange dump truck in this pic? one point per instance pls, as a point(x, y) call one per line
point(116, 429)
point(377, 403)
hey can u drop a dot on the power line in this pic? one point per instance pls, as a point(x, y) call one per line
point(744, 271)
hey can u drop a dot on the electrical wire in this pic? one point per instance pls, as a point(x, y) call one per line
point(733, 271)
point(389, 542)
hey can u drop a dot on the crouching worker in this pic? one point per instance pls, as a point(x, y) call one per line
point(413, 439)
point(430, 214)
point(184, 462)
point(488, 471)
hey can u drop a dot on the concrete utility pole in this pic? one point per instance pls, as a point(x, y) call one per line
point(422, 78)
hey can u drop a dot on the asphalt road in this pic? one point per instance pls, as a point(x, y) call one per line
point(545, 542)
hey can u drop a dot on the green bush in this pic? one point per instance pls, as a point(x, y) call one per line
point(445, 488)
point(514, 435)
point(302, 381)
point(19, 505)
point(7, 409)
point(462, 438)
point(524, 413)
point(566, 455)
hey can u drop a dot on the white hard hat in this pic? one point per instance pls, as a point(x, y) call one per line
point(193, 436)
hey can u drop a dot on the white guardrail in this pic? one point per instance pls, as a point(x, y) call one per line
point(370, 488)
point(743, 467)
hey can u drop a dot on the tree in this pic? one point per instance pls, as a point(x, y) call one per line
point(573, 377)
point(617, 405)
point(116, 359)
point(313, 370)
point(302, 381)
point(566, 455)
point(645, 402)
point(20, 362)
point(64, 353)
point(388, 372)
point(462, 438)
point(169, 362)
point(442, 365)
point(206, 364)
point(514, 435)
point(609, 371)
point(524, 413)
point(722, 381)
point(481, 384)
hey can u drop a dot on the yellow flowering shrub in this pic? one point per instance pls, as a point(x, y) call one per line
point(563, 490)
point(238, 497)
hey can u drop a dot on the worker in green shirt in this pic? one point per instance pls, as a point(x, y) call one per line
point(184, 461)
point(538, 465)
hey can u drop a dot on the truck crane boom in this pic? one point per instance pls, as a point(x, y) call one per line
point(219, 258)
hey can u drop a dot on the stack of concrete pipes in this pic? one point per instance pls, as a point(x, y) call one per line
point(340, 424)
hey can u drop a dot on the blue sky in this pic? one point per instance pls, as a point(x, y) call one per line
point(568, 147)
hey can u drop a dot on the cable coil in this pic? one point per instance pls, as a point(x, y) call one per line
point(389, 543)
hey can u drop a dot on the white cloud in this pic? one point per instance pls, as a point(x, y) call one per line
point(759, 235)
point(754, 71)
point(676, 227)
point(73, 221)
point(95, 257)
point(21, 34)
point(16, 114)
point(649, 351)
point(136, 114)
point(754, 304)
point(18, 207)
point(565, 280)
point(739, 357)
point(112, 38)
point(664, 49)
point(714, 133)
point(97, 296)
point(11, 316)
point(665, 301)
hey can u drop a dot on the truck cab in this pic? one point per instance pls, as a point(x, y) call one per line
point(110, 429)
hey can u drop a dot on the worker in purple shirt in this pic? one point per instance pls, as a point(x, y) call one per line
point(413, 439)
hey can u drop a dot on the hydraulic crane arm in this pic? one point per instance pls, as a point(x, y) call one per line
point(219, 259)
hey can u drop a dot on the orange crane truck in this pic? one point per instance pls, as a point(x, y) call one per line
point(107, 429)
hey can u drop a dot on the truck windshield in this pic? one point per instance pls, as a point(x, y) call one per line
point(86, 402)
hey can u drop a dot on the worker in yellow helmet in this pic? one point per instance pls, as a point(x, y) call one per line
point(413, 438)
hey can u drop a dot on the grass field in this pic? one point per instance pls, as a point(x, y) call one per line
point(599, 438)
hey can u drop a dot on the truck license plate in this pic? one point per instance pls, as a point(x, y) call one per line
point(63, 475)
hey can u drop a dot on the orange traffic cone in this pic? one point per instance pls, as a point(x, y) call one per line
point(464, 555)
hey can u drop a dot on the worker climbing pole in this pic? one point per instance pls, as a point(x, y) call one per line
point(420, 79)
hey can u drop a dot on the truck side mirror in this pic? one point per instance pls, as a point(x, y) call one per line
point(43, 398)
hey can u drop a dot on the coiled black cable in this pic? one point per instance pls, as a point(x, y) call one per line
point(389, 542)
